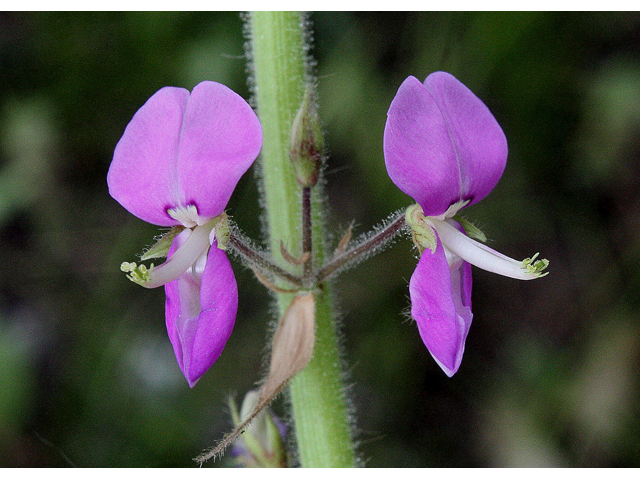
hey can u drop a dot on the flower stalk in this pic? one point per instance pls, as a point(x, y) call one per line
point(307, 232)
point(251, 257)
point(363, 248)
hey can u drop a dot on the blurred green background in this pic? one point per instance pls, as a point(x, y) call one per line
point(550, 375)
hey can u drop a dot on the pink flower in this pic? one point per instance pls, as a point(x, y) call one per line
point(176, 165)
point(444, 148)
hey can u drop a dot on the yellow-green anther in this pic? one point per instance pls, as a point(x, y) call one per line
point(307, 142)
point(533, 266)
point(137, 273)
point(423, 234)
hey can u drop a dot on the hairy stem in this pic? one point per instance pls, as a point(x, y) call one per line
point(280, 73)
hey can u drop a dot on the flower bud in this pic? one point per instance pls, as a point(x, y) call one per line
point(262, 443)
point(306, 142)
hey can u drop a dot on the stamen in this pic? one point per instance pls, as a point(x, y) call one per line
point(181, 260)
point(535, 266)
point(137, 274)
point(486, 258)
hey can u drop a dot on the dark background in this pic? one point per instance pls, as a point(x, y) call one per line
point(550, 374)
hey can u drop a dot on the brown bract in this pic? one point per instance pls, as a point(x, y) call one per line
point(291, 351)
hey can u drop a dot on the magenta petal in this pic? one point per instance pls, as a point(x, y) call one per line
point(221, 139)
point(142, 174)
point(418, 152)
point(201, 313)
point(441, 306)
point(184, 149)
point(442, 144)
point(479, 141)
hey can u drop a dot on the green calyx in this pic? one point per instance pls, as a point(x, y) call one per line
point(161, 248)
point(422, 232)
point(222, 230)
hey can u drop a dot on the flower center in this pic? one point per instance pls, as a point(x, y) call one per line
point(459, 247)
point(187, 216)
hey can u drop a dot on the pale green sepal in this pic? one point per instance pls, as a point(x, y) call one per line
point(161, 248)
point(422, 232)
point(222, 231)
point(470, 229)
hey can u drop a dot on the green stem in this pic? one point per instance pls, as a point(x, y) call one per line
point(280, 73)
